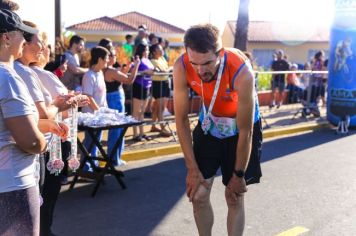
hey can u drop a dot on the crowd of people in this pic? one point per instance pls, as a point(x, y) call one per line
point(305, 88)
point(39, 89)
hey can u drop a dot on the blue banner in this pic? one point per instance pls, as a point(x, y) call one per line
point(341, 100)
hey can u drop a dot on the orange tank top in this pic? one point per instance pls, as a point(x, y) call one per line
point(226, 100)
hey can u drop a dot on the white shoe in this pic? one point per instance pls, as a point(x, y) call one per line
point(121, 162)
point(166, 112)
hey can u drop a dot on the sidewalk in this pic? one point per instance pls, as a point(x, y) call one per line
point(286, 120)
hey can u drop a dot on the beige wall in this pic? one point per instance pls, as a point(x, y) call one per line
point(227, 37)
point(97, 38)
point(296, 53)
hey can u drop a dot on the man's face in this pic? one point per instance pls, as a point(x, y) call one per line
point(79, 47)
point(205, 64)
point(279, 55)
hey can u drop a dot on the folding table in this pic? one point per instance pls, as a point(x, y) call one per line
point(99, 173)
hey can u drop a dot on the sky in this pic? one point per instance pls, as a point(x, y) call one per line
point(183, 15)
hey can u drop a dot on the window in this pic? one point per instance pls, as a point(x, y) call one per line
point(263, 57)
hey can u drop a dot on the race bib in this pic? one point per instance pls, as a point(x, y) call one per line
point(223, 127)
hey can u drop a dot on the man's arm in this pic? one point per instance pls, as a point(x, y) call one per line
point(244, 84)
point(181, 108)
point(244, 117)
point(77, 70)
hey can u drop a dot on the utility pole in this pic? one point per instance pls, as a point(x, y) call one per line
point(57, 20)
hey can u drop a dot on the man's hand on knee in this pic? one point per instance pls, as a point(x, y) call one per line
point(193, 181)
point(235, 187)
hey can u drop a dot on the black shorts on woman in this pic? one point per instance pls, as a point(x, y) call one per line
point(211, 153)
point(140, 92)
point(160, 89)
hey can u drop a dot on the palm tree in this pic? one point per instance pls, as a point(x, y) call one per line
point(241, 30)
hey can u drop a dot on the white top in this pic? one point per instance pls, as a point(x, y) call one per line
point(51, 82)
point(34, 85)
point(93, 84)
point(17, 168)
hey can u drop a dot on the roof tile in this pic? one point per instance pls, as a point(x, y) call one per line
point(127, 22)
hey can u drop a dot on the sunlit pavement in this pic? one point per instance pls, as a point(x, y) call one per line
point(308, 186)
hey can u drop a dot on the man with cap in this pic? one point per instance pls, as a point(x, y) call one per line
point(142, 36)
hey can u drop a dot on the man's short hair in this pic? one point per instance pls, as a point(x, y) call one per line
point(202, 38)
point(75, 39)
point(106, 43)
point(128, 37)
point(96, 53)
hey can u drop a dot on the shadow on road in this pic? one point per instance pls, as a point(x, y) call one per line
point(281, 147)
point(152, 192)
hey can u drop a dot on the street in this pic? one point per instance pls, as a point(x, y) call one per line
point(308, 186)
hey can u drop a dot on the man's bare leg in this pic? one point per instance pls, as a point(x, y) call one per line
point(203, 212)
point(280, 98)
point(235, 215)
point(273, 98)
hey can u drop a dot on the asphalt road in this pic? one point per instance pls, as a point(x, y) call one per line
point(309, 185)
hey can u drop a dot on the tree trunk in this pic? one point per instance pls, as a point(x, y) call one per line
point(241, 30)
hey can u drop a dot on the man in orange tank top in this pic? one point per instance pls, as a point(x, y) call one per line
point(228, 135)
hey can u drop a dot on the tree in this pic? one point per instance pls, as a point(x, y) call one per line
point(241, 31)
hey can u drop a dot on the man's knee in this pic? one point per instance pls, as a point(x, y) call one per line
point(234, 201)
point(201, 198)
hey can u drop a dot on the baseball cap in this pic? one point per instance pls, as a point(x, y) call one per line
point(142, 27)
point(10, 21)
point(280, 51)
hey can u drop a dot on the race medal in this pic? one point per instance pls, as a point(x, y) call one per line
point(206, 124)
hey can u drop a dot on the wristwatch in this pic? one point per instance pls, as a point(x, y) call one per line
point(239, 173)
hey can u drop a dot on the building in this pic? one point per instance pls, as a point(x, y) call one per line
point(117, 27)
point(299, 41)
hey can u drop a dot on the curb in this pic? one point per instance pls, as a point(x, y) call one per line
point(175, 148)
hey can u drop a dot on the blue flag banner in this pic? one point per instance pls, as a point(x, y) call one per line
point(341, 100)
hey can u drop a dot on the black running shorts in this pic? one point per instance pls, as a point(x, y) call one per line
point(211, 153)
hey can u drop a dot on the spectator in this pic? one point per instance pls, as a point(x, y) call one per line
point(316, 82)
point(72, 77)
point(165, 46)
point(128, 46)
point(94, 87)
point(142, 36)
point(152, 38)
point(19, 195)
point(278, 80)
point(141, 89)
point(160, 88)
point(294, 86)
point(47, 107)
point(52, 182)
point(115, 96)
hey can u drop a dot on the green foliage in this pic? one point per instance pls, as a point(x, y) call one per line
point(263, 80)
